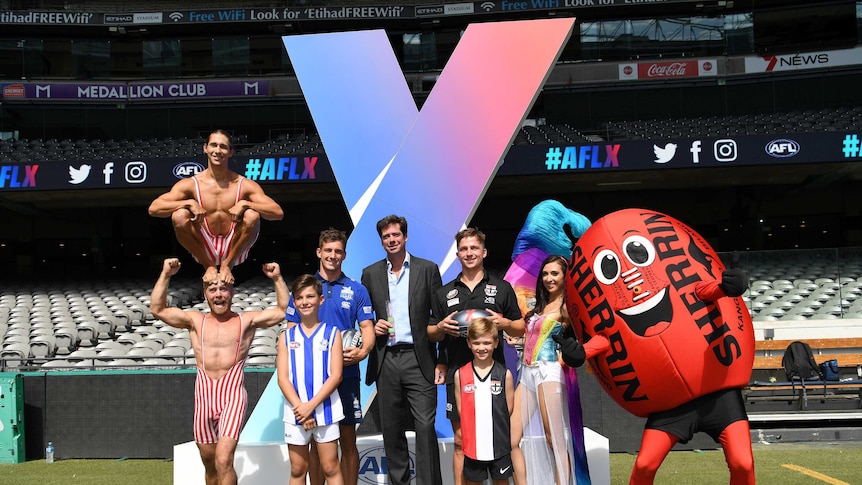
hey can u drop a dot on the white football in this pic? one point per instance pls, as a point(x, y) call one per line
point(351, 338)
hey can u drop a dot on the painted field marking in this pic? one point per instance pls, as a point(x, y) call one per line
point(814, 474)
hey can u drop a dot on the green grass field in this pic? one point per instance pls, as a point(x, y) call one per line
point(835, 463)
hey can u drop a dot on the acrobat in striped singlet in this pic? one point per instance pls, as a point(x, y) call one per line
point(217, 246)
point(220, 404)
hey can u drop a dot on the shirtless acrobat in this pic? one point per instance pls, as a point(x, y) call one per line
point(221, 341)
point(216, 214)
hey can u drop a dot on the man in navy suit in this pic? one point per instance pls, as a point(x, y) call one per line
point(404, 365)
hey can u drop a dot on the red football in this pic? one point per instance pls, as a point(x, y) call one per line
point(464, 317)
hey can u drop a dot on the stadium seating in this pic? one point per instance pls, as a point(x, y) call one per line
point(838, 119)
point(86, 326)
point(89, 326)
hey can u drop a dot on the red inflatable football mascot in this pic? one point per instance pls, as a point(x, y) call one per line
point(665, 333)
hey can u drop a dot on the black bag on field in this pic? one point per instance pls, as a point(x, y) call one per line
point(799, 364)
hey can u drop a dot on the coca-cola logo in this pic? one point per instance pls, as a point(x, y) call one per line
point(13, 91)
point(707, 66)
point(674, 69)
point(627, 70)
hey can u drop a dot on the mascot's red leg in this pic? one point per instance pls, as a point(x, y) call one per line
point(655, 445)
point(736, 442)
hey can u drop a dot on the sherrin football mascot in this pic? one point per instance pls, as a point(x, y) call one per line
point(665, 333)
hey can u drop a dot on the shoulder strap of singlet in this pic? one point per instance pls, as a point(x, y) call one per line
point(238, 341)
point(239, 189)
point(197, 190)
point(203, 352)
point(201, 202)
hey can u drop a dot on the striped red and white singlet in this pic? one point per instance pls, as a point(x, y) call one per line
point(220, 404)
point(216, 245)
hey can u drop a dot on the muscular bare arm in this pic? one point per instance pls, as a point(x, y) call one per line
point(181, 196)
point(172, 316)
point(273, 316)
point(256, 200)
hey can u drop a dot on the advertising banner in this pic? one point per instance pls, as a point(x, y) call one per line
point(134, 91)
point(803, 61)
point(682, 153)
point(629, 155)
point(161, 172)
point(667, 69)
point(311, 13)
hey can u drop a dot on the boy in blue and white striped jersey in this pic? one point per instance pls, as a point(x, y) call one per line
point(309, 367)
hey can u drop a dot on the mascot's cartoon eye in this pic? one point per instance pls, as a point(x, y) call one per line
point(639, 250)
point(607, 266)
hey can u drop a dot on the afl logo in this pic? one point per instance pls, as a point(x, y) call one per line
point(187, 169)
point(373, 468)
point(782, 148)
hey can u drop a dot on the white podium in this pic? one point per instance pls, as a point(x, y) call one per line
point(268, 463)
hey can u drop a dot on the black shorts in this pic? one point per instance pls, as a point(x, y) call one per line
point(477, 471)
point(709, 414)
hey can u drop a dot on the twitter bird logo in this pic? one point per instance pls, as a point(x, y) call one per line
point(78, 175)
point(664, 155)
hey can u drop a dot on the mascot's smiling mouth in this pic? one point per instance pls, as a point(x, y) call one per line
point(651, 317)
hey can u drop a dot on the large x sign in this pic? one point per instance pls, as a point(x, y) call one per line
point(431, 166)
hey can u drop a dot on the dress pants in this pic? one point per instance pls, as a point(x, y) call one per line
point(402, 389)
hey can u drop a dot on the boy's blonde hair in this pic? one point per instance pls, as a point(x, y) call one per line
point(482, 326)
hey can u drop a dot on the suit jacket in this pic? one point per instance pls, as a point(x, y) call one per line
point(424, 281)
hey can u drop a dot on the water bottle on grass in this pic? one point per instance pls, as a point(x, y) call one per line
point(49, 452)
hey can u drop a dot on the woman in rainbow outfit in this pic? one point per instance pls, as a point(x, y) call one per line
point(545, 434)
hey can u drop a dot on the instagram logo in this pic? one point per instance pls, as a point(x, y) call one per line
point(136, 172)
point(725, 150)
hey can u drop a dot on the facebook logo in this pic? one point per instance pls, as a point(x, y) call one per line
point(695, 151)
point(107, 171)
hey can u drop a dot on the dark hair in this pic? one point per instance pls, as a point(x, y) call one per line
point(482, 326)
point(542, 295)
point(305, 281)
point(330, 235)
point(470, 232)
point(392, 219)
point(221, 132)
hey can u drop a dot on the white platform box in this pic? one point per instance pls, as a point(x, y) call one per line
point(268, 463)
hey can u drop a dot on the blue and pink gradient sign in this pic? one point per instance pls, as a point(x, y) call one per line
point(431, 166)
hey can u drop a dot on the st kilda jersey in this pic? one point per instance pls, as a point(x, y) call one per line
point(485, 433)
